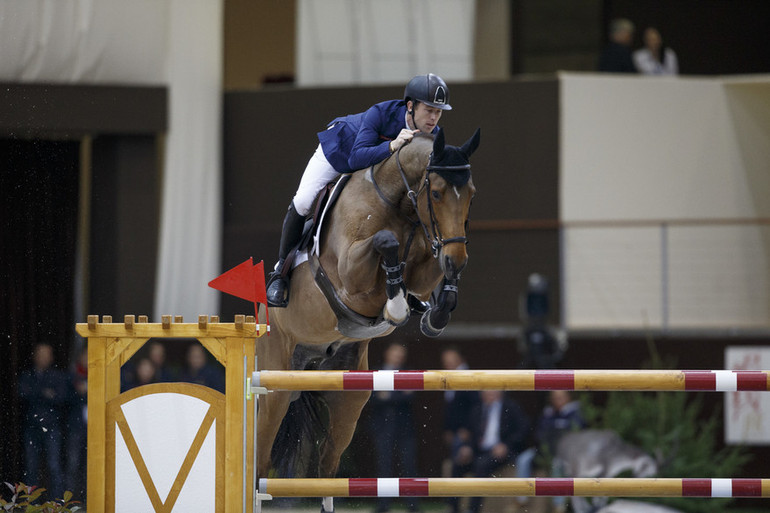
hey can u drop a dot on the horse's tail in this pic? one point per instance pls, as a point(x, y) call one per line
point(303, 431)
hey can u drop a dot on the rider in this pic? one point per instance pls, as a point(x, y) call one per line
point(356, 142)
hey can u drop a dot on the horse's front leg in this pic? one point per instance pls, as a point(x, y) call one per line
point(437, 317)
point(396, 310)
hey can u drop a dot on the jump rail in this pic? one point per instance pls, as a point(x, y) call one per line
point(597, 380)
point(532, 487)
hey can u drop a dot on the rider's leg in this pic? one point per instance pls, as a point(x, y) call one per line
point(277, 293)
point(317, 174)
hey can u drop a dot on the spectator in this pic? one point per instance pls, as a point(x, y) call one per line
point(145, 372)
point(561, 416)
point(458, 405)
point(393, 429)
point(44, 391)
point(156, 352)
point(76, 428)
point(200, 371)
point(499, 432)
point(616, 56)
point(654, 58)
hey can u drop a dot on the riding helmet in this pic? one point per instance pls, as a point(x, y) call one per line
point(429, 89)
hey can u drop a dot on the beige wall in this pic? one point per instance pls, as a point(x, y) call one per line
point(635, 148)
point(492, 40)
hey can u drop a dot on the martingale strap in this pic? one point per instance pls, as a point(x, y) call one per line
point(349, 322)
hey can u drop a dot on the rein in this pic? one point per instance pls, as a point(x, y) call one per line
point(435, 238)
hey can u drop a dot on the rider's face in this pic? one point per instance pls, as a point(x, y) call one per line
point(426, 117)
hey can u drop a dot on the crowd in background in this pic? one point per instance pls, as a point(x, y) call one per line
point(55, 407)
point(653, 58)
point(485, 433)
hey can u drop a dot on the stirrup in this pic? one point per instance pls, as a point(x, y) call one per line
point(277, 290)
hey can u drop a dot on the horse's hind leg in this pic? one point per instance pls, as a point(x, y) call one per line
point(273, 353)
point(396, 309)
point(344, 411)
point(272, 410)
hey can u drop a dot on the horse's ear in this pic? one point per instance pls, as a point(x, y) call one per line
point(471, 144)
point(438, 143)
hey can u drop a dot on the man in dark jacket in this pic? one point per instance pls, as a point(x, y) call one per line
point(44, 391)
point(499, 433)
point(356, 142)
point(616, 56)
point(458, 404)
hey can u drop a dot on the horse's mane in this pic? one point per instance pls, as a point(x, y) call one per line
point(420, 147)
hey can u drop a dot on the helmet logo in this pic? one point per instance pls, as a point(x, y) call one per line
point(440, 96)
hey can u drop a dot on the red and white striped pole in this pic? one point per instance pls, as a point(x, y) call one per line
point(597, 380)
point(532, 487)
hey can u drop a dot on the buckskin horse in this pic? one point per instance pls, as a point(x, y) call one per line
point(406, 216)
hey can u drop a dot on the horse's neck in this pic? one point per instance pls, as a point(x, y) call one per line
point(412, 160)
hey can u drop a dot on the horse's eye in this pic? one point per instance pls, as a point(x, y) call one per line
point(436, 195)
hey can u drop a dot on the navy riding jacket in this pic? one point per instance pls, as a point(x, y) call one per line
point(360, 140)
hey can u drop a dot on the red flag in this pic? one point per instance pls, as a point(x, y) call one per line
point(246, 281)
point(260, 291)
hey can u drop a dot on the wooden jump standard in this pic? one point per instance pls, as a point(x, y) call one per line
point(598, 380)
point(110, 345)
point(532, 487)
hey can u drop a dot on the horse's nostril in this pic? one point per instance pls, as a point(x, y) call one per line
point(449, 265)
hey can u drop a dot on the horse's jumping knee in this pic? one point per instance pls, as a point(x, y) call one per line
point(386, 244)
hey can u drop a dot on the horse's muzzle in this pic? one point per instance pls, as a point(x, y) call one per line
point(453, 262)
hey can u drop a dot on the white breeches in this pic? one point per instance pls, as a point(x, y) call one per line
point(317, 174)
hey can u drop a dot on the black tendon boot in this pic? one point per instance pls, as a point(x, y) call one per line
point(278, 282)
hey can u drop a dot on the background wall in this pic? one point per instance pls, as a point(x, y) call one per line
point(370, 42)
point(688, 151)
point(259, 42)
point(78, 229)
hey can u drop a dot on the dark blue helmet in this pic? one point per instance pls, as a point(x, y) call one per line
point(429, 89)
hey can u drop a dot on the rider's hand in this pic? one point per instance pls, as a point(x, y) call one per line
point(403, 138)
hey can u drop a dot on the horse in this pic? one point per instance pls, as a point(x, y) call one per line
point(397, 229)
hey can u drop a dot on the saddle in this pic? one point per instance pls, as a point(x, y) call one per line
point(326, 198)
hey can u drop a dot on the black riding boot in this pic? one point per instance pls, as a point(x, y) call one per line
point(278, 285)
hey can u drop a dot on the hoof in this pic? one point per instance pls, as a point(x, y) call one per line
point(426, 328)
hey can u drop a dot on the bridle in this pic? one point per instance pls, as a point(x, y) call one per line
point(434, 237)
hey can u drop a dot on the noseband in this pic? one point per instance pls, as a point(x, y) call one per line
point(436, 240)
